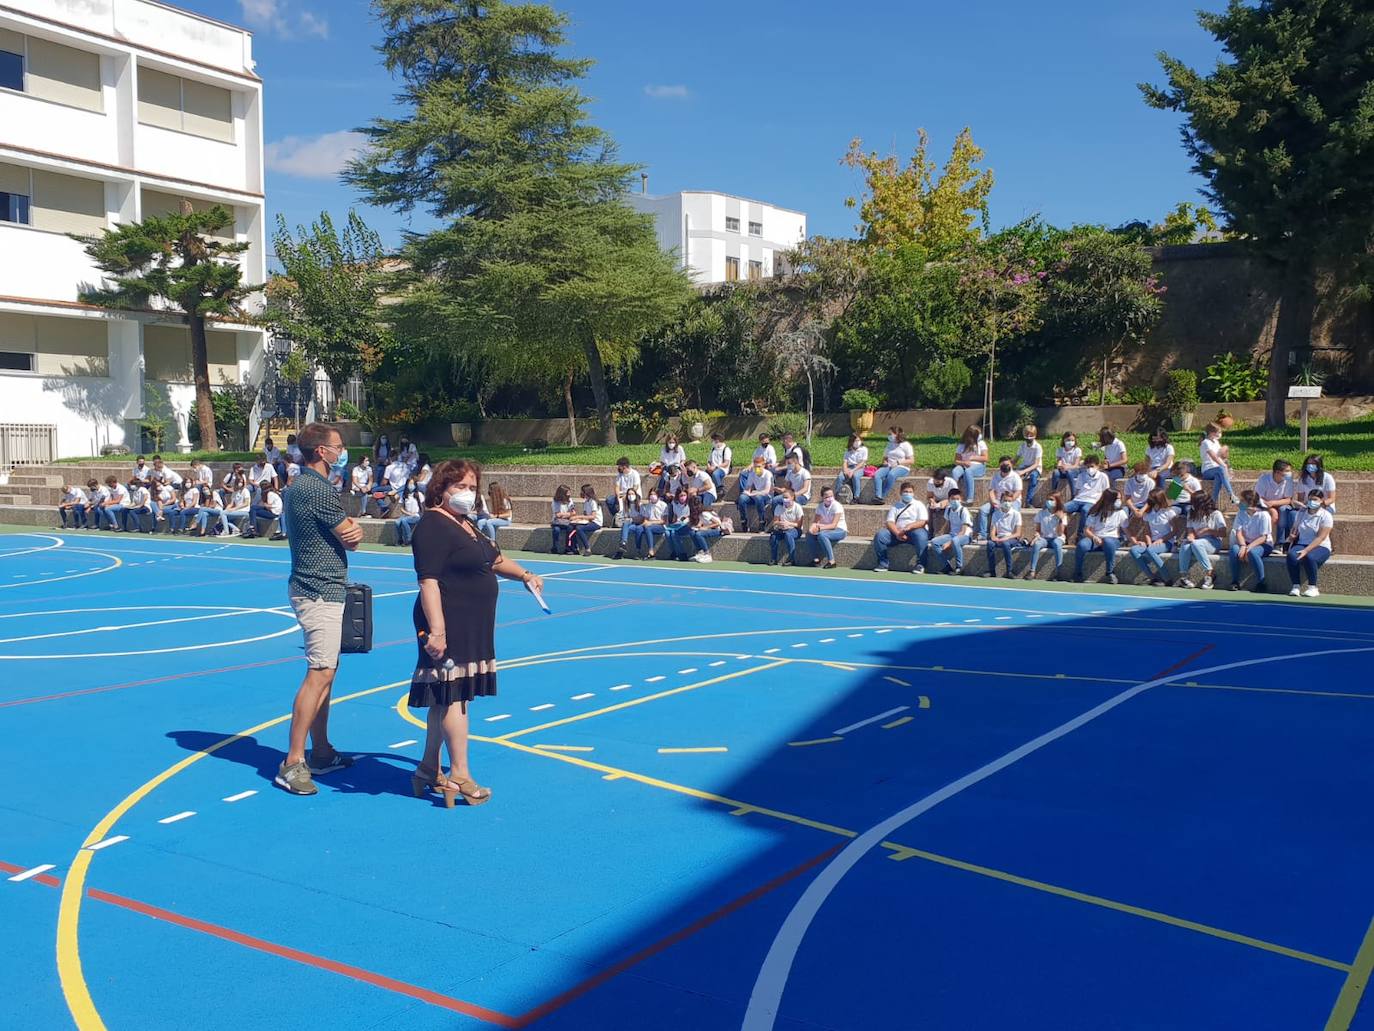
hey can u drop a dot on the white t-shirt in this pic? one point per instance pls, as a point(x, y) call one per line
point(410, 455)
point(1214, 521)
point(1004, 484)
point(119, 494)
point(165, 494)
point(1108, 525)
point(1049, 524)
point(757, 480)
point(977, 453)
point(1070, 456)
point(1006, 522)
point(293, 470)
point(1257, 525)
point(1211, 453)
point(560, 508)
point(1029, 454)
point(1091, 486)
point(680, 512)
point(708, 520)
point(899, 455)
point(142, 472)
point(672, 456)
point(1190, 483)
point(1114, 453)
point(940, 491)
point(294, 452)
point(191, 499)
point(766, 452)
point(1307, 483)
point(411, 505)
point(960, 521)
point(856, 457)
point(362, 477)
point(792, 513)
point(652, 510)
point(74, 496)
point(204, 475)
point(721, 456)
point(628, 480)
point(1160, 457)
point(229, 478)
point(700, 481)
point(1160, 523)
point(167, 475)
point(799, 481)
point(397, 473)
point(903, 515)
point(242, 498)
point(272, 502)
point(261, 471)
point(99, 496)
point(831, 510)
point(1137, 488)
point(1270, 489)
point(590, 507)
point(1311, 523)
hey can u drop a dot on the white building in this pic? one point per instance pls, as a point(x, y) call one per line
point(114, 110)
point(722, 238)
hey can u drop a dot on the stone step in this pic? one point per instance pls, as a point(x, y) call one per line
point(16, 499)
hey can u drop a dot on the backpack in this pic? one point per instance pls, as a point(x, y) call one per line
point(845, 495)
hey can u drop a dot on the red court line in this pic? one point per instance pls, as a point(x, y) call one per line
point(1183, 662)
point(42, 878)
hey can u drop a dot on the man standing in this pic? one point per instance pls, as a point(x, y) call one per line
point(320, 534)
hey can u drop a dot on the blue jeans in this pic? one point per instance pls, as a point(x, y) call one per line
point(172, 513)
point(203, 519)
point(1256, 559)
point(583, 533)
point(384, 497)
point(1006, 548)
point(1114, 476)
point(1199, 551)
point(788, 538)
point(958, 544)
point(490, 524)
point(752, 502)
point(967, 476)
point(1058, 479)
point(1080, 509)
point(824, 542)
point(918, 538)
point(1288, 518)
point(1030, 483)
point(718, 478)
point(885, 479)
point(648, 534)
point(855, 481)
point(561, 532)
point(133, 519)
point(1055, 544)
point(267, 515)
point(984, 516)
point(703, 539)
point(680, 541)
point(76, 514)
point(1221, 479)
point(1107, 546)
point(628, 530)
point(1151, 557)
point(405, 526)
point(185, 518)
point(1309, 565)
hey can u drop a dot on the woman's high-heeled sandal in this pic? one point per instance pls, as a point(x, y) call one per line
point(470, 791)
point(424, 780)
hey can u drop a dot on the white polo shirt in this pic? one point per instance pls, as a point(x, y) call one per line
point(960, 521)
point(1137, 488)
point(1108, 525)
point(1214, 521)
point(856, 457)
point(260, 471)
point(191, 499)
point(205, 476)
point(74, 496)
point(1114, 453)
point(721, 456)
point(628, 480)
point(700, 481)
point(1211, 453)
point(672, 456)
point(1049, 524)
point(397, 473)
point(1271, 489)
point(1160, 523)
point(1006, 523)
point(362, 477)
point(1091, 486)
point(651, 510)
point(1160, 457)
point(1070, 456)
point(591, 507)
point(799, 481)
point(241, 498)
point(766, 452)
point(1311, 523)
point(940, 491)
point(1029, 454)
point(792, 513)
point(976, 453)
point(757, 480)
point(1257, 525)
point(1307, 483)
point(272, 502)
point(1005, 484)
point(899, 455)
point(831, 510)
point(560, 508)
point(902, 515)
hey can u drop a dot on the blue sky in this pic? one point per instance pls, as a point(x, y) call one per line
point(761, 99)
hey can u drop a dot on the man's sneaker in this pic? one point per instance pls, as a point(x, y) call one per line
point(1207, 583)
point(918, 569)
point(1295, 591)
point(296, 779)
point(1311, 592)
point(702, 556)
point(880, 569)
point(327, 762)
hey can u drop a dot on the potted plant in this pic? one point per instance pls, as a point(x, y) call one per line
point(1180, 398)
point(693, 420)
point(1224, 419)
point(461, 416)
point(861, 404)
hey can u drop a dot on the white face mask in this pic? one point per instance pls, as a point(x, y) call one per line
point(462, 500)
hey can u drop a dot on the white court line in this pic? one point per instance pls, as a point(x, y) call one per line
point(178, 817)
point(800, 644)
point(403, 744)
point(766, 997)
point(622, 687)
point(240, 796)
point(108, 842)
point(718, 662)
point(829, 640)
point(498, 716)
point(885, 630)
point(546, 705)
point(855, 635)
point(894, 680)
point(33, 872)
point(771, 651)
point(689, 669)
point(582, 697)
point(872, 719)
point(140, 626)
point(57, 543)
point(652, 680)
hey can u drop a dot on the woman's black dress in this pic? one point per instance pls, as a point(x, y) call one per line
point(462, 564)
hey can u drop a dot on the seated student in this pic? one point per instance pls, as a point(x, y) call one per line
point(238, 509)
point(1216, 463)
point(267, 508)
point(1203, 534)
point(142, 472)
point(72, 508)
point(898, 458)
point(98, 494)
point(1252, 539)
point(679, 526)
point(293, 451)
point(1004, 536)
point(1102, 532)
point(791, 447)
point(392, 483)
point(273, 453)
point(561, 513)
point(650, 527)
point(1154, 538)
point(1050, 527)
point(958, 534)
point(496, 512)
point(718, 463)
point(1275, 490)
point(698, 482)
point(706, 529)
point(1005, 486)
point(1114, 459)
point(140, 504)
point(1067, 465)
point(409, 454)
point(970, 462)
point(938, 489)
point(670, 480)
point(1091, 484)
point(827, 528)
point(166, 503)
point(786, 527)
point(630, 518)
point(293, 470)
point(755, 494)
point(763, 453)
point(361, 478)
point(626, 480)
point(163, 473)
point(382, 452)
point(852, 468)
point(1160, 455)
point(232, 477)
point(1315, 477)
point(409, 505)
point(1182, 485)
point(908, 522)
point(111, 511)
point(796, 476)
point(586, 520)
point(212, 506)
point(201, 474)
point(1310, 545)
point(424, 472)
point(190, 506)
point(1030, 463)
point(338, 472)
point(671, 457)
point(1136, 489)
point(262, 469)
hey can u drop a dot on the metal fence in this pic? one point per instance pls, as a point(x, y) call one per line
point(327, 398)
point(26, 443)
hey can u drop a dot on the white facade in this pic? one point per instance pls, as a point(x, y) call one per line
point(721, 238)
point(114, 110)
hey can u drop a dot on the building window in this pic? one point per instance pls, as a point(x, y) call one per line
point(14, 207)
point(755, 228)
point(731, 224)
point(50, 71)
point(11, 70)
point(16, 361)
point(756, 270)
point(171, 102)
point(731, 270)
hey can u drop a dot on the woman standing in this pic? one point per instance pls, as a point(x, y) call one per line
point(457, 568)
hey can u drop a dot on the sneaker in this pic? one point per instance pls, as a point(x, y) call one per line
point(1235, 585)
point(619, 554)
point(880, 569)
point(295, 779)
point(1311, 592)
point(277, 537)
point(1295, 591)
point(918, 570)
point(1207, 583)
point(1159, 581)
point(327, 762)
point(987, 575)
point(1112, 579)
point(1185, 583)
point(702, 556)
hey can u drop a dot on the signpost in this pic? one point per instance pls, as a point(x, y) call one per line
point(1305, 394)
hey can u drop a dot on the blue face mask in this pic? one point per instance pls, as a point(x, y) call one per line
point(1049, 505)
point(1313, 504)
point(1311, 468)
point(908, 498)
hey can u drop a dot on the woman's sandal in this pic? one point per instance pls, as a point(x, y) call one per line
point(424, 780)
point(469, 790)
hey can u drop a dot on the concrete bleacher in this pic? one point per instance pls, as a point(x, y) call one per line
point(32, 495)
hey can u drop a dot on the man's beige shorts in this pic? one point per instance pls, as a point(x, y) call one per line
point(322, 624)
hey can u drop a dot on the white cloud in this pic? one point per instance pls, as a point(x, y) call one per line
point(314, 157)
point(663, 92)
point(272, 16)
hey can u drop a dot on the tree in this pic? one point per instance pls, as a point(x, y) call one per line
point(907, 205)
point(1283, 132)
point(328, 300)
point(1187, 223)
point(175, 259)
point(539, 253)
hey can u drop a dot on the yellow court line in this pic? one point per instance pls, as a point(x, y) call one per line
point(815, 741)
point(646, 698)
point(1355, 983)
point(691, 751)
point(899, 721)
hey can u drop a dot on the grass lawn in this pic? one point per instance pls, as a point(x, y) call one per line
point(1347, 446)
